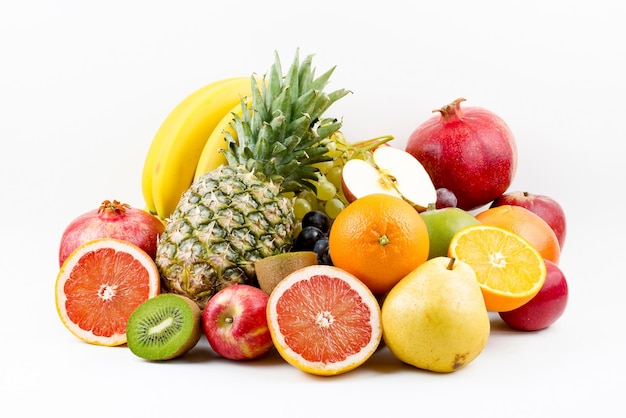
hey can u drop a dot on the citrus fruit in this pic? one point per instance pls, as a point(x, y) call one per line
point(323, 320)
point(509, 270)
point(379, 238)
point(99, 285)
point(526, 224)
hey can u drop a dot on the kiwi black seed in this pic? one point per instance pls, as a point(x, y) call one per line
point(164, 327)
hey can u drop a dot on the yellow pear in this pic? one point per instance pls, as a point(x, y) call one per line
point(435, 318)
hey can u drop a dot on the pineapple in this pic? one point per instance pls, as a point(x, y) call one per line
point(240, 212)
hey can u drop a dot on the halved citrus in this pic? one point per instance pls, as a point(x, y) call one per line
point(99, 285)
point(509, 270)
point(323, 320)
point(526, 224)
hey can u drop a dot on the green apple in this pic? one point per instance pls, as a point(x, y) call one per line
point(435, 318)
point(442, 224)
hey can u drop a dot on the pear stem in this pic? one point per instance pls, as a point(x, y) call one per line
point(451, 263)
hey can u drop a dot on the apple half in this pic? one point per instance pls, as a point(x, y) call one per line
point(392, 171)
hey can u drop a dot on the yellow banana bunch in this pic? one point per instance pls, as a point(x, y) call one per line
point(212, 156)
point(175, 150)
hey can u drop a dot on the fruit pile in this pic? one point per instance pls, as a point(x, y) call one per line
point(264, 227)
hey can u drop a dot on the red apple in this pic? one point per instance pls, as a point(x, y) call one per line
point(544, 206)
point(234, 322)
point(545, 307)
point(391, 171)
point(470, 151)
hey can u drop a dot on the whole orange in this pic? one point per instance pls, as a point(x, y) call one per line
point(379, 238)
point(526, 224)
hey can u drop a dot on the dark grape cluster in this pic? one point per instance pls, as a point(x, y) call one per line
point(314, 236)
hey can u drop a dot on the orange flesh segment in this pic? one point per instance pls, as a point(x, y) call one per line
point(489, 252)
point(324, 335)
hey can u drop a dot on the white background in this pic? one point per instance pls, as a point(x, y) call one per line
point(85, 85)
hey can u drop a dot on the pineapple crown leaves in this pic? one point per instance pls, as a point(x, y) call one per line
point(282, 127)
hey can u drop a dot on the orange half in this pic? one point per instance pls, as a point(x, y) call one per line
point(510, 271)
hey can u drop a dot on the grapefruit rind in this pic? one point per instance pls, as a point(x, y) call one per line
point(64, 275)
point(321, 368)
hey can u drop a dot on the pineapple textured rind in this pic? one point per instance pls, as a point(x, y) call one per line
point(226, 220)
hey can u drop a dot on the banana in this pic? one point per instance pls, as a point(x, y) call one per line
point(212, 156)
point(183, 138)
point(164, 132)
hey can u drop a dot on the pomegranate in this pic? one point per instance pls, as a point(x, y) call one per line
point(470, 151)
point(112, 220)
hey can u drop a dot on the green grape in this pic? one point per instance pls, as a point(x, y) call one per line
point(341, 196)
point(339, 139)
point(309, 196)
point(329, 197)
point(331, 144)
point(338, 162)
point(325, 189)
point(301, 207)
point(336, 155)
point(324, 166)
point(334, 176)
point(333, 207)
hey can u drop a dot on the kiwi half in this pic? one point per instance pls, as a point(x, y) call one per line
point(164, 327)
point(272, 269)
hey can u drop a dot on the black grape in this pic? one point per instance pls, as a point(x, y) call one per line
point(306, 239)
point(317, 219)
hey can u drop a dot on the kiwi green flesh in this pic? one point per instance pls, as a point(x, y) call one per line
point(164, 327)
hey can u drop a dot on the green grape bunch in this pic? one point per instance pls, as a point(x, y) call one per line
point(328, 196)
